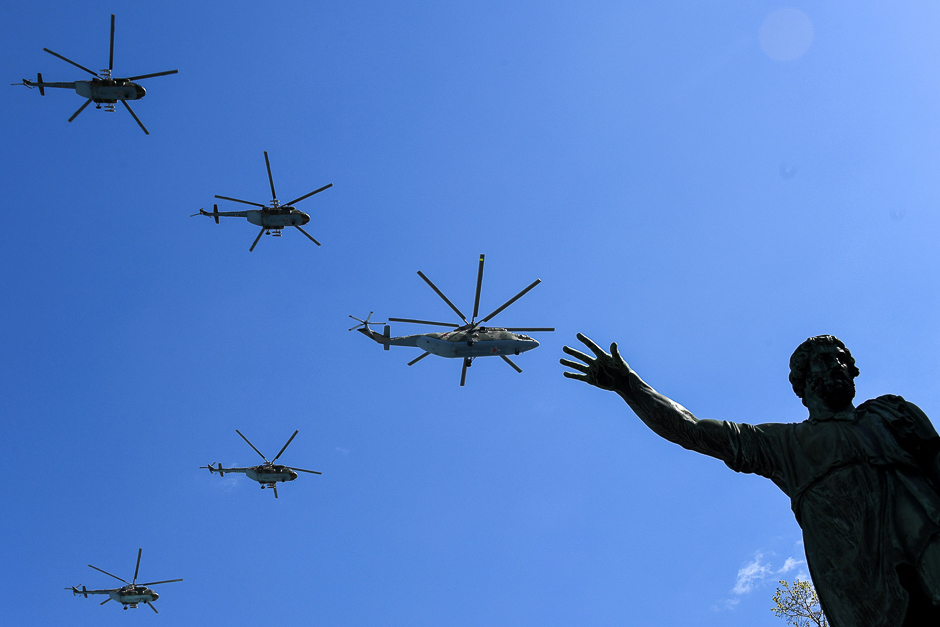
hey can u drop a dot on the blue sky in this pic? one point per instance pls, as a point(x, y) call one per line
point(707, 185)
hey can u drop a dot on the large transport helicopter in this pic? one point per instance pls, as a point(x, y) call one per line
point(267, 474)
point(128, 595)
point(467, 341)
point(273, 218)
point(103, 89)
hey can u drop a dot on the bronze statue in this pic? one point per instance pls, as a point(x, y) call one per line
point(864, 482)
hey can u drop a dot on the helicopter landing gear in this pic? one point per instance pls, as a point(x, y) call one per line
point(276, 233)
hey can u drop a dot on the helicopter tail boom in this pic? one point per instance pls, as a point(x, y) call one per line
point(42, 84)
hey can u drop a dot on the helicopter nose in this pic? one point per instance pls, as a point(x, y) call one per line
point(304, 218)
point(141, 92)
point(155, 595)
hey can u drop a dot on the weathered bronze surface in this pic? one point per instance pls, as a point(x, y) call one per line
point(864, 482)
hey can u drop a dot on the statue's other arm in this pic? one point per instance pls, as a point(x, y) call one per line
point(664, 416)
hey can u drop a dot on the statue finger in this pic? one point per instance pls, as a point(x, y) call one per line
point(597, 350)
point(615, 353)
point(577, 376)
point(578, 355)
point(573, 364)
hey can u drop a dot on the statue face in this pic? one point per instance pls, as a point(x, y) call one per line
point(829, 377)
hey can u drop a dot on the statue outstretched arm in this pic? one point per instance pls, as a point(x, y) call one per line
point(664, 416)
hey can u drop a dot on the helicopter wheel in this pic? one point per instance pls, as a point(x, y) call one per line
point(517, 351)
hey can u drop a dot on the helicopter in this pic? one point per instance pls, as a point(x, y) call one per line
point(129, 595)
point(273, 218)
point(467, 341)
point(102, 89)
point(268, 473)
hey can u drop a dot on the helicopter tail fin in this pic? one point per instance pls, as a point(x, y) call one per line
point(42, 92)
point(215, 213)
point(388, 334)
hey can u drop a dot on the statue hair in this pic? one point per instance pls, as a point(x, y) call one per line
point(799, 360)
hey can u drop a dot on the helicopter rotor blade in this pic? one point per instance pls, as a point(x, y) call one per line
point(275, 490)
point(81, 67)
point(313, 472)
point(270, 178)
point(255, 243)
point(256, 204)
point(307, 234)
point(251, 445)
point(137, 119)
point(286, 445)
point(111, 56)
point(105, 601)
point(440, 324)
point(151, 606)
point(417, 359)
point(154, 583)
point(137, 568)
point(107, 573)
point(463, 373)
point(316, 191)
point(512, 300)
point(80, 109)
point(512, 363)
point(441, 294)
point(545, 329)
point(476, 299)
point(143, 76)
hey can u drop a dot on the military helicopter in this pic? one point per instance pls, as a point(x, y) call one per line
point(273, 218)
point(468, 341)
point(129, 595)
point(102, 90)
point(268, 473)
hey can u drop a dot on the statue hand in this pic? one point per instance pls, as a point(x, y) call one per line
point(608, 372)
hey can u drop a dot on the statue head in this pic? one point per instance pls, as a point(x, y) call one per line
point(823, 367)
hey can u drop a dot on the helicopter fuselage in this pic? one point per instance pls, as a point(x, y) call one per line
point(458, 344)
point(130, 596)
point(270, 474)
point(109, 90)
point(478, 342)
point(277, 218)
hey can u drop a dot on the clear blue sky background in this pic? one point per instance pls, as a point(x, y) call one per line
point(704, 195)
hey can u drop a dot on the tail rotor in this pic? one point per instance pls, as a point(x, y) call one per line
point(215, 470)
point(364, 324)
point(75, 591)
point(203, 212)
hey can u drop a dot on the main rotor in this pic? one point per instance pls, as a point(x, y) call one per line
point(275, 205)
point(473, 324)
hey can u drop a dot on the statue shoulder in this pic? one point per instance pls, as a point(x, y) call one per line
point(902, 416)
